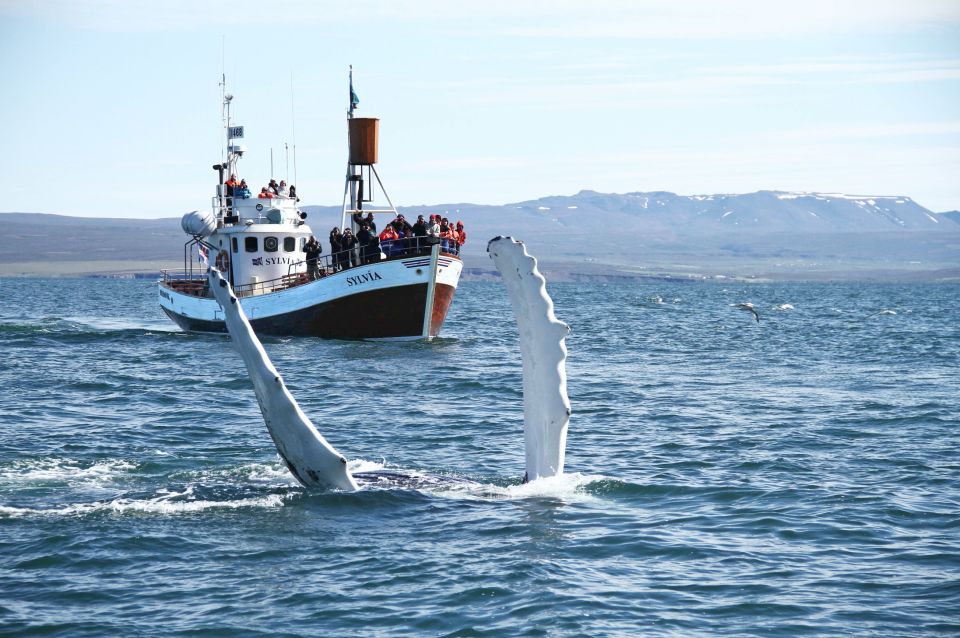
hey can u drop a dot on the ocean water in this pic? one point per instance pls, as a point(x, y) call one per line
point(796, 476)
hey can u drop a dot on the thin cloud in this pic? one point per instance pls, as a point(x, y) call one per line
point(532, 18)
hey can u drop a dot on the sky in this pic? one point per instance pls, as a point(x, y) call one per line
point(111, 108)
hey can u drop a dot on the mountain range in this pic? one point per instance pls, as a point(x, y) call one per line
point(764, 234)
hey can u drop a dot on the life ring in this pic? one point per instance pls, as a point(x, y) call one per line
point(223, 260)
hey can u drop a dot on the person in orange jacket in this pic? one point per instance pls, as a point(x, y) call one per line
point(265, 194)
point(461, 234)
point(388, 240)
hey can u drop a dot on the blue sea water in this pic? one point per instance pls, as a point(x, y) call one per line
point(796, 476)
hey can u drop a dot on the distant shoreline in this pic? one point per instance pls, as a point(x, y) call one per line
point(555, 272)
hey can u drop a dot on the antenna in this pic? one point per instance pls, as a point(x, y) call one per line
point(271, 162)
point(286, 152)
point(223, 92)
point(293, 127)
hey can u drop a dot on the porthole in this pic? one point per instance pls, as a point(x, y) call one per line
point(270, 244)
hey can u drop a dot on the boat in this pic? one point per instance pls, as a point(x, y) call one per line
point(400, 291)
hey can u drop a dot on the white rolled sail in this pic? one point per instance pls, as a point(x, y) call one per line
point(198, 223)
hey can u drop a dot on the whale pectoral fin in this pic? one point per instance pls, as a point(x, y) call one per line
point(546, 407)
point(311, 460)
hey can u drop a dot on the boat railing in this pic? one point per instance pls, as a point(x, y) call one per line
point(389, 249)
point(406, 246)
point(233, 209)
point(187, 282)
point(193, 282)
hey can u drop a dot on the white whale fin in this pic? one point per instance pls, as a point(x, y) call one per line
point(312, 461)
point(546, 407)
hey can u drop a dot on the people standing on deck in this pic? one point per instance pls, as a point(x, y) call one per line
point(243, 191)
point(293, 193)
point(388, 239)
point(400, 225)
point(265, 194)
point(363, 238)
point(360, 220)
point(231, 186)
point(445, 234)
point(420, 228)
point(409, 242)
point(336, 249)
point(274, 187)
point(348, 243)
point(282, 190)
point(373, 249)
point(433, 229)
point(461, 236)
point(312, 250)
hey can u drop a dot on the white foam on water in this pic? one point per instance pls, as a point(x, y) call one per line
point(363, 465)
point(105, 323)
point(165, 503)
point(564, 487)
point(268, 473)
point(784, 307)
point(275, 473)
point(59, 470)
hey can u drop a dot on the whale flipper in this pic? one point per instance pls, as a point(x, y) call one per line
point(313, 461)
point(546, 407)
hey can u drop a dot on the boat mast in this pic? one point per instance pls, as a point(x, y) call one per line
point(229, 158)
point(362, 140)
point(352, 179)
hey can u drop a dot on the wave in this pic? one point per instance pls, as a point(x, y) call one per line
point(82, 330)
point(259, 485)
point(167, 503)
point(65, 471)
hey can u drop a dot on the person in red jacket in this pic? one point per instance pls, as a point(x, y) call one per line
point(461, 235)
point(388, 240)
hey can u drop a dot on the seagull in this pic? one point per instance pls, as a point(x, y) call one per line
point(749, 307)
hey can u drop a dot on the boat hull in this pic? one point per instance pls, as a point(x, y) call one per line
point(400, 299)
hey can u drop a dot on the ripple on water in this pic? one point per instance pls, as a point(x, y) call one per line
point(796, 477)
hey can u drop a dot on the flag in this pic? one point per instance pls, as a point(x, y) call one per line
point(257, 261)
point(354, 100)
point(203, 255)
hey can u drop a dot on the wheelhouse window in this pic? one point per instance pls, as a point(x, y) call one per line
point(289, 244)
point(250, 244)
point(270, 244)
point(236, 247)
point(303, 242)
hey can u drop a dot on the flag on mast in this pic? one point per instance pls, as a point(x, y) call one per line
point(354, 100)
